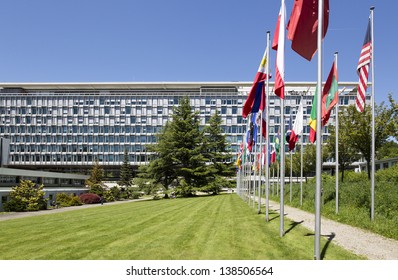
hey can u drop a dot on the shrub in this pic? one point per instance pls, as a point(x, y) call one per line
point(75, 201)
point(108, 196)
point(351, 176)
point(387, 175)
point(116, 193)
point(14, 206)
point(27, 196)
point(135, 195)
point(90, 198)
point(97, 189)
point(65, 200)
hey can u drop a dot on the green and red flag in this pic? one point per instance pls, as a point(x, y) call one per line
point(330, 94)
point(330, 98)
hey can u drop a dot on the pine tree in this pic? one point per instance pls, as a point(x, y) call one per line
point(96, 174)
point(187, 141)
point(27, 196)
point(217, 147)
point(96, 177)
point(161, 167)
point(178, 156)
point(125, 171)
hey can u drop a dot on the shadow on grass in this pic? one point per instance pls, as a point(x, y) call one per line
point(293, 224)
point(276, 213)
point(330, 237)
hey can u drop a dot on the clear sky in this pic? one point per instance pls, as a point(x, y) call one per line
point(180, 40)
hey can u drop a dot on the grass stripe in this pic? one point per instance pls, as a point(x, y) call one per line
point(201, 228)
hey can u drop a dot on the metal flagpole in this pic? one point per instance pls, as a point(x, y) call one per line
point(282, 134)
point(259, 164)
point(278, 180)
point(254, 168)
point(372, 212)
point(301, 166)
point(273, 180)
point(301, 150)
point(267, 134)
point(317, 243)
point(246, 156)
point(291, 175)
point(337, 144)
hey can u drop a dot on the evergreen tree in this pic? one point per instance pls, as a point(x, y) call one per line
point(216, 146)
point(27, 196)
point(161, 168)
point(187, 141)
point(178, 156)
point(125, 171)
point(96, 177)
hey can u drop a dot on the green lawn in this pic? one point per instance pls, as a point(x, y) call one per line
point(203, 228)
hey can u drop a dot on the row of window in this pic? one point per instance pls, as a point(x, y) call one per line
point(84, 129)
point(83, 148)
point(81, 100)
point(76, 158)
point(4, 179)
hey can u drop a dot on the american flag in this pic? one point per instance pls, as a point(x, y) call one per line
point(363, 69)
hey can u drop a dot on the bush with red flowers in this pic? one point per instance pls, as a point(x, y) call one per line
point(90, 198)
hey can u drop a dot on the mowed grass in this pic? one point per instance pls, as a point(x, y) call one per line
point(202, 228)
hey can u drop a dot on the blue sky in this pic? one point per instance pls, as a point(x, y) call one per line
point(176, 40)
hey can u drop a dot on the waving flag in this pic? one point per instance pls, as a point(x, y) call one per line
point(256, 99)
point(330, 95)
point(363, 69)
point(280, 55)
point(272, 153)
point(303, 26)
point(261, 117)
point(277, 146)
point(252, 133)
point(297, 127)
point(312, 122)
point(329, 100)
point(289, 129)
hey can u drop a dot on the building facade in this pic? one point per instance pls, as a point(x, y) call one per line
point(53, 182)
point(67, 126)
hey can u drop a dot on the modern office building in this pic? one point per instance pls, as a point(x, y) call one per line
point(53, 183)
point(66, 126)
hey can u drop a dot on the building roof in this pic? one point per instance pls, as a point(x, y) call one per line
point(146, 85)
point(45, 174)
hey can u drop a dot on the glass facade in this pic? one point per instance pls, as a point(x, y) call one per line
point(71, 125)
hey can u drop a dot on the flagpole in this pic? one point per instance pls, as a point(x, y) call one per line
point(267, 132)
point(260, 169)
point(291, 174)
point(282, 144)
point(301, 150)
point(317, 241)
point(301, 166)
point(337, 143)
point(291, 157)
point(373, 119)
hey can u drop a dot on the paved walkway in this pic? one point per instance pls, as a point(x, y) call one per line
point(358, 241)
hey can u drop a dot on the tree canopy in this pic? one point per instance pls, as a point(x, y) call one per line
point(186, 156)
point(355, 131)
